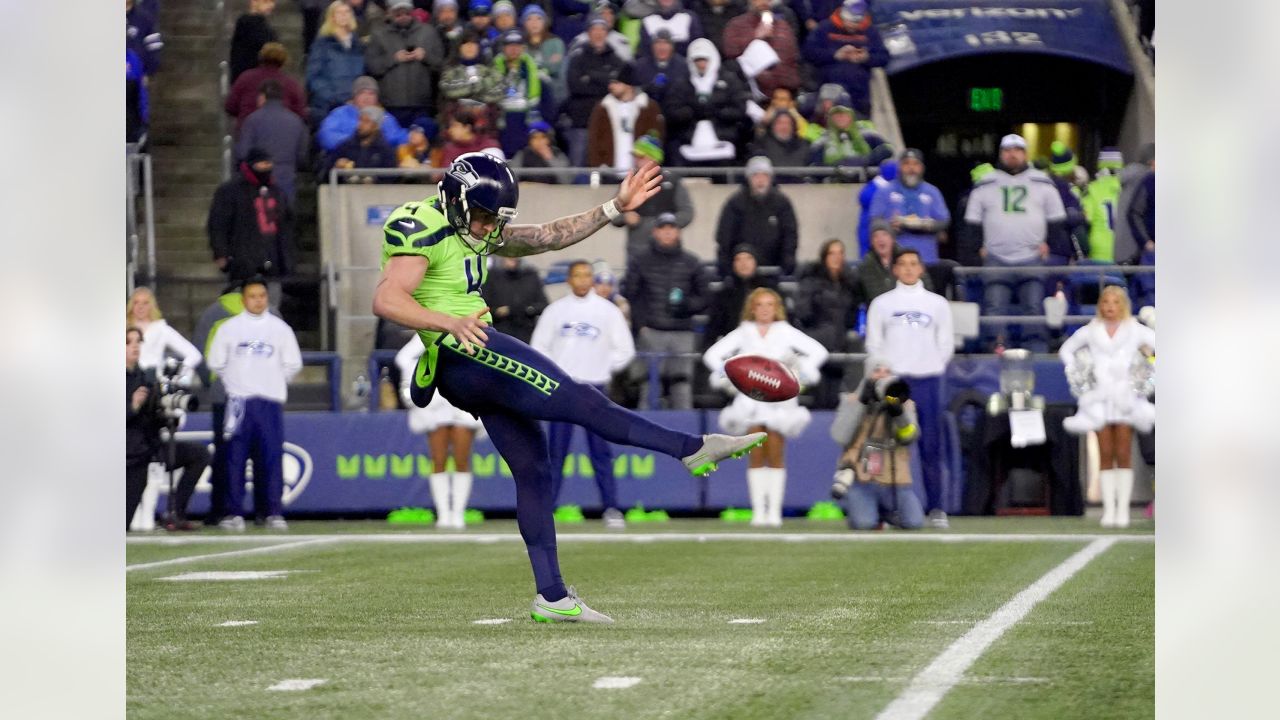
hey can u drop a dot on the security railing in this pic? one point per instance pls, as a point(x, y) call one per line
point(140, 233)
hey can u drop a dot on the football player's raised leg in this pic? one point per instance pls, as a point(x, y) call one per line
point(522, 444)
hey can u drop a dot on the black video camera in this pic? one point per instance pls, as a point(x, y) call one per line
point(169, 397)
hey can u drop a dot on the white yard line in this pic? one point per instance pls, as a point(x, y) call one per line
point(485, 538)
point(231, 553)
point(930, 685)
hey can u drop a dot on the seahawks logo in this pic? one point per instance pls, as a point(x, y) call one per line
point(296, 461)
point(914, 318)
point(462, 171)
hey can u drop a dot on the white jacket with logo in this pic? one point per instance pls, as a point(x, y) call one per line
point(256, 356)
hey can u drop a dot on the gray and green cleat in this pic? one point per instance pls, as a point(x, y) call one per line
point(567, 609)
point(719, 447)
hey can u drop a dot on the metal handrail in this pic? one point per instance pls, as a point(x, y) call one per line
point(224, 87)
point(1050, 270)
point(610, 176)
point(140, 163)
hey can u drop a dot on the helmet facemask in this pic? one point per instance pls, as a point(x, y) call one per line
point(458, 214)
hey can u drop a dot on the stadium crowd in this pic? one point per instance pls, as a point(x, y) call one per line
point(766, 85)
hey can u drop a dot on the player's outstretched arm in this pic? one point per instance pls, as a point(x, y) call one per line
point(393, 300)
point(636, 188)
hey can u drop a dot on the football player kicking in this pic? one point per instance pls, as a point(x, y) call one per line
point(434, 256)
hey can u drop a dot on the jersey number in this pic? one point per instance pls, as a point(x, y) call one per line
point(1015, 198)
point(474, 267)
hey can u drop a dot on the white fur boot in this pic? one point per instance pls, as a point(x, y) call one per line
point(1124, 491)
point(1107, 479)
point(1093, 494)
point(777, 489)
point(757, 480)
point(439, 483)
point(461, 494)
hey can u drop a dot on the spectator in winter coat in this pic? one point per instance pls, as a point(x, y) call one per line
point(714, 15)
point(504, 18)
point(888, 171)
point(250, 224)
point(335, 61)
point(416, 152)
point(444, 17)
point(570, 18)
point(660, 70)
point(280, 132)
point(1062, 165)
point(242, 99)
point(522, 91)
point(590, 69)
point(621, 44)
point(141, 36)
point(469, 76)
point(480, 19)
point(514, 293)
point(784, 101)
point(826, 310)
point(666, 288)
point(845, 143)
point(365, 149)
point(783, 146)
point(463, 138)
point(406, 57)
point(623, 115)
point(673, 199)
point(724, 312)
point(968, 239)
point(1135, 209)
point(715, 94)
point(340, 124)
point(682, 25)
point(844, 48)
point(914, 208)
point(541, 152)
point(755, 39)
point(548, 52)
point(253, 30)
point(875, 271)
point(758, 214)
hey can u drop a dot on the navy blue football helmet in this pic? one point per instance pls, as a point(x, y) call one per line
point(479, 180)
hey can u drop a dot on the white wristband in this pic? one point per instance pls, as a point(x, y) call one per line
point(611, 211)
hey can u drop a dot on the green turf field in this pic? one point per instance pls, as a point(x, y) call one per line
point(388, 622)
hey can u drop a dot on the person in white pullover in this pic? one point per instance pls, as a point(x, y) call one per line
point(588, 337)
point(911, 328)
point(256, 354)
point(450, 432)
point(158, 338)
point(764, 330)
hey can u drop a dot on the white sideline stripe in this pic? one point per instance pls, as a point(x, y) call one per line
point(668, 537)
point(746, 621)
point(491, 621)
point(237, 623)
point(227, 575)
point(929, 686)
point(296, 684)
point(229, 553)
point(609, 682)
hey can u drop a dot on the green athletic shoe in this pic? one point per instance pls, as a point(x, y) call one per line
point(568, 609)
point(569, 514)
point(720, 447)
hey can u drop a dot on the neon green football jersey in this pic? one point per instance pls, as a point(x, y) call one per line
point(455, 273)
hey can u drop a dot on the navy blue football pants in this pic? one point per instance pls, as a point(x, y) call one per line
point(256, 430)
point(927, 394)
point(558, 436)
point(511, 387)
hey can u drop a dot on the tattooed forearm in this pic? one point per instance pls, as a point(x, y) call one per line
point(560, 233)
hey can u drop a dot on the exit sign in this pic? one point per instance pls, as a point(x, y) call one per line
point(986, 99)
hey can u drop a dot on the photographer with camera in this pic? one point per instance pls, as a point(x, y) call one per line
point(911, 328)
point(152, 406)
point(875, 424)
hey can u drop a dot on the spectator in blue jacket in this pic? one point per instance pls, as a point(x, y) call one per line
point(914, 208)
point(888, 171)
point(366, 148)
point(480, 19)
point(340, 124)
point(844, 48)
point(335, 61)
point(141, 36)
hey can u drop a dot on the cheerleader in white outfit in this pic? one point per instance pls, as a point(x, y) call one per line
point(143, 312)
point(447, 429)
point(1112, 407)
point(765, 331)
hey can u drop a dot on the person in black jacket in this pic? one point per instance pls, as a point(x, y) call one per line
point(253, 30)
point(725, 311)
point(406, 56)
point(141, 433)
point(588, 71)
point(250, 224)
point(761, 215)
point(826, 310)
point(713, 91)
point(666, 288)
point(514, 293)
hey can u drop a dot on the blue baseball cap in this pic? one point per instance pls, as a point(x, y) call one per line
point(480, 7)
